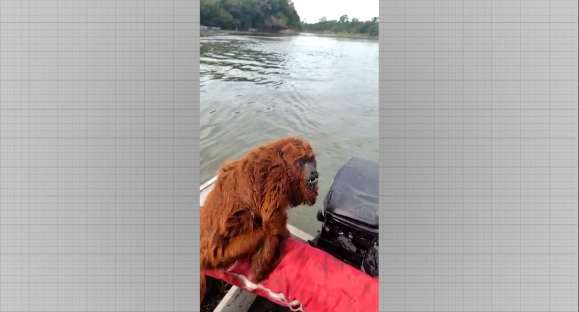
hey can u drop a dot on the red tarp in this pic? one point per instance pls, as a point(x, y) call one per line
point(309, 279)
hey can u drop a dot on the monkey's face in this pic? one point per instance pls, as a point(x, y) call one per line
point(301, 158)
point(309, 185)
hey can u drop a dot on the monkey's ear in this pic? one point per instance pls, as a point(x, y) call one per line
point(288, 150)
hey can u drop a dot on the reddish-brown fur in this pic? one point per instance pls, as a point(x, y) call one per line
point(245, 215)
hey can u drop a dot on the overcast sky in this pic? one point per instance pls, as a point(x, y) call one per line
point(310, 11)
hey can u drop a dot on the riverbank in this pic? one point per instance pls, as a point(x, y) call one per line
point(221, 32)
point(208, 33)
point(341, 35)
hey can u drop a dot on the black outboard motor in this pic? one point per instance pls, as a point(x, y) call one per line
point(350, 216)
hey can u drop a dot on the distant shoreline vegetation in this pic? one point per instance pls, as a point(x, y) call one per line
point(276, 16)
point(344, 26)
point(250, 15)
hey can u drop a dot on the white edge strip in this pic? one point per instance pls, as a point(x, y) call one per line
point(237, 299)
point(297, 233)
point(208, 183)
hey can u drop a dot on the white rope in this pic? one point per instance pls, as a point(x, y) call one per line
point(294, 306)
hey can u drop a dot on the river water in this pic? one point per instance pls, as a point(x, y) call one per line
point(254, 89)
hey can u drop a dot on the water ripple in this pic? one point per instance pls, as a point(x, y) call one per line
point(254, 89)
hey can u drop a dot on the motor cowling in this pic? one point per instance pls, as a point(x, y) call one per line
point(350, 216)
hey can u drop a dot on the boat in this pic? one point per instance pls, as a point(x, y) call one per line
point(349, 234)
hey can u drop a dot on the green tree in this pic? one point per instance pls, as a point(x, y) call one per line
point(265, 15)
point(344, 25)
point(213, 14)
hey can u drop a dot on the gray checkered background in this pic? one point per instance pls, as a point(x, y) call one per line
point(478, 128)
point(99, 155)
